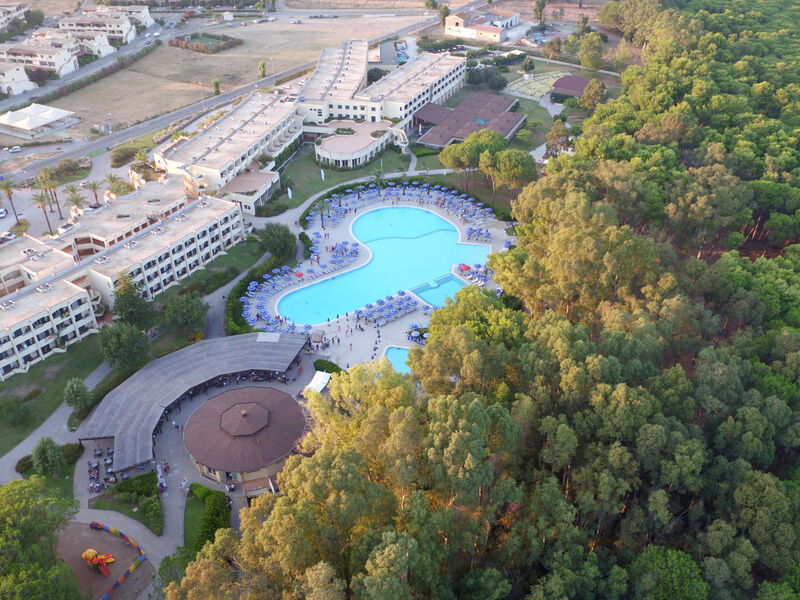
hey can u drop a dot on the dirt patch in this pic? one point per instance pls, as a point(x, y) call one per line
point(53, 7)
point(18, 392)
point(77, 537)
point(52, 371)
point(590, 8)
point(346, 4)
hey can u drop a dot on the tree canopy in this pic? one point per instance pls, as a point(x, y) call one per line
point(624, 421)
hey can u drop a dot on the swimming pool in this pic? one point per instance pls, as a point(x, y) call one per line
point(443, 287)
point(398, 357)
point(410, 247)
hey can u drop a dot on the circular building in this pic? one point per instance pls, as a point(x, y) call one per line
point(243, 436)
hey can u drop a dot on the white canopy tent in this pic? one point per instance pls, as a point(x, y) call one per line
point(319, 381)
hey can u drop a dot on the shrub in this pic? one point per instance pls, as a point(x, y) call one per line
point(326, 366)
point(153, 515)
point(24, 464)
point(48, 458)
point(34, 393)
point(271, 209)
point(145, 484)
point(122, 155)
point(13, 411)
point(72, 452)
point(200, 491)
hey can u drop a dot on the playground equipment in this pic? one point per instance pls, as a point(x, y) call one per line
point(97, 561)
point(139, 559)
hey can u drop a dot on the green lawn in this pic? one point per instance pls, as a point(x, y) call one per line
point(61, 484)
point(303, 172)
point(108, 502)
point(191, 520)
point(429, 162)
point(51, 376)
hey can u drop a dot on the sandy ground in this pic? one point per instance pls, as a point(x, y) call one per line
point(129, 96)
point(51, 7)
point(170, 77)
point(78, 537)
point(347, 4)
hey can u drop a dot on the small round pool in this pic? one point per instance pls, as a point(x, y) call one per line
point(410, 247)
point(398, 357)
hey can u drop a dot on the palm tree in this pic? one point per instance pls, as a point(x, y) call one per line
point(141, 156)
point(8, 189)
point(93, 186)
point(377, 179)
point(41, 200)
point(112, 179)
point(75, 198)
point(48, 182)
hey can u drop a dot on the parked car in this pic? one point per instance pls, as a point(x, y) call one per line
point(8, 235)
point(16, 149)
point(3, 213)
point(84, 183)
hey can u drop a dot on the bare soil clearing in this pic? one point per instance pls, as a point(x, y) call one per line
point(77, 537)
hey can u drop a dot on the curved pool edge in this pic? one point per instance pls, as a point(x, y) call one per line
point(446, 217)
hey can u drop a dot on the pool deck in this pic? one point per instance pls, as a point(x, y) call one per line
point(355, 346)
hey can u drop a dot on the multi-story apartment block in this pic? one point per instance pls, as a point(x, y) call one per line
point(117, 27)
point(157, 234)
point(76, 43)
point(32, 55)
point(341, 72)
point(37, 321)
point(426, 78)
point(10, 13)
point(14, 80)
point(214, 157)
point(27, 261)
point(120, 218)
point(172, 250)
point(138, 14)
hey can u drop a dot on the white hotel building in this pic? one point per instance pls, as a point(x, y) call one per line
point(224, 156)
point(50, 290)
point(11, 12)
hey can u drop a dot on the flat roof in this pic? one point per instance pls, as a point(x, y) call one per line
point(108, 222)
point(477, 111)
point(245, 429)
point(361, 139)
point(34, 256)
point(102, 19)
point(248, 182)
point(406, 81)
point(131, 411)
point(225, 139)
point(31, 48)
point(570, 85)
point(35, 304)
point(181, 225)
point(339, 73)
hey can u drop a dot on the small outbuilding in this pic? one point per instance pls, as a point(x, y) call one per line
point(570, 85)
point(243, 436)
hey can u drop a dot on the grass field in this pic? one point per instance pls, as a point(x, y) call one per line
point(304, 174)
point(110, 503)
point(191, 521)
point(51, 376)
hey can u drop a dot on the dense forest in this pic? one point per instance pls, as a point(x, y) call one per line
point(625, 421)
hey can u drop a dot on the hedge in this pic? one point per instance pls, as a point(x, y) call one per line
point(216, 514)
point(327, 366)
point(24, 464)
point(234, 322)
point(422, 151)
point(145, 484)
point(187, 42)
point(271, 209)
point(307, 243)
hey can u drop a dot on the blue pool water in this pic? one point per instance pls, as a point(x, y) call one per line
point(398, 357)
point(410, 247)
point(443, 287)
